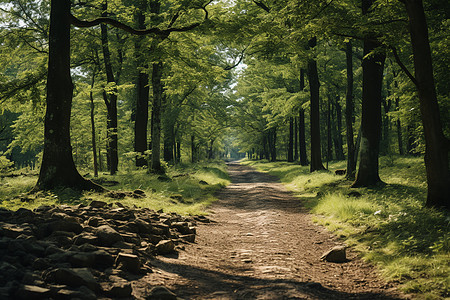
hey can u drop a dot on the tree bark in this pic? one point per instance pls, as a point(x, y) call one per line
point(295, 138)
point(301, 126)
point(111, 103)
point(142, 93)
point(437, 146)
point(94, 141)
point(338, 131)
point(316, 151)
point(373, 65)
point(290, 156)
point(58, 168)
point(158, 94)
point(349, 108)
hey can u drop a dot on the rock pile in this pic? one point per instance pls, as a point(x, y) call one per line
point(84, 252)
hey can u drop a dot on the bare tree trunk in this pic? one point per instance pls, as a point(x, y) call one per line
point(295, 138)
point(110, 102)
point(94, 141)
point(373, 65)
point(142, 99)
point(290, 156)
point(437, 145)
point(158, 94)
point(349, 109)
point(316, 151)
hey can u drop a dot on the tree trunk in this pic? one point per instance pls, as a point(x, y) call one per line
point(316, 151)
point(94, 141)
point(338, 131)
point(58, 168)
point(302, 138)
point(373, 66)
point(110, 102)
point(295, 138)
point(290, 157)
point(142, 93)
point(158, 94)
point(349, 108)
point(329, 139)
point(272, 140)
point(193, 151)
point(301, 126)
point(385, 141)
point(436, 144)
point(399, 129)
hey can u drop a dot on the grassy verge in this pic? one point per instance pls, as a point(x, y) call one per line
point(388, 224)
point(188, 189)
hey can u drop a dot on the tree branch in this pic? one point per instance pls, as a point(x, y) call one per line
point(403, 67)
point(262, 5)
point(227, 68)
point(156, 31)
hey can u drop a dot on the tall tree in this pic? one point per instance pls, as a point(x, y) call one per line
point(142, 92)
point(58, 167)
point(437, 145)
point(316, 152)
point(349, 110)
point(373, 66)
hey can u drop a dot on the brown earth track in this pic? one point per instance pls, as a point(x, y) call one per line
point(263, 245)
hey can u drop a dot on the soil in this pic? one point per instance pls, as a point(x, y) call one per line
point(263, 245)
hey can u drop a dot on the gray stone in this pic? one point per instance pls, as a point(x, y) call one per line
point(165, 247)
point(336, 254)
point(75, 277)
point(188, 238)
point(98, 204)
point(107, 235)
point(128, 262)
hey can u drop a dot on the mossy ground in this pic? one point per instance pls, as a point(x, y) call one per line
point(189, 190)
point(387, 224)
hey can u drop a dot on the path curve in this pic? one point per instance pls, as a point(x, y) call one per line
point(264, 245)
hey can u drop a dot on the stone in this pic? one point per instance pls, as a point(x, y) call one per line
point(75, 277)
point(95, 221)
point(128, 262)
point(86, 238)
point(82, 259)
point(107, 235)
point(188, 238)
point(68, 224)
point(98, 204)
point(182, 227)
point(336, 254)
point(120, 289)
point(32, 292)
point(165, 247)
point(161, 293)
point(103, 258)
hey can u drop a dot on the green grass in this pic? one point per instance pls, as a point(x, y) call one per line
point(192, 187)
point(387, 224)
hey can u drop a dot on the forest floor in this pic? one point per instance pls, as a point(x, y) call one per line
point(263, 244)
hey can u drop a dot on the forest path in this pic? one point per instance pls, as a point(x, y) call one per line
point(263, 245)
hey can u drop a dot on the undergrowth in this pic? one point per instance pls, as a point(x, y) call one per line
point(387, 224)
point(187, 189)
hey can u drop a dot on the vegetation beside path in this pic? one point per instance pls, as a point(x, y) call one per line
point(387, 224)
point(187, 189)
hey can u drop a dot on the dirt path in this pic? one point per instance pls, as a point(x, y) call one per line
point(264, 246)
